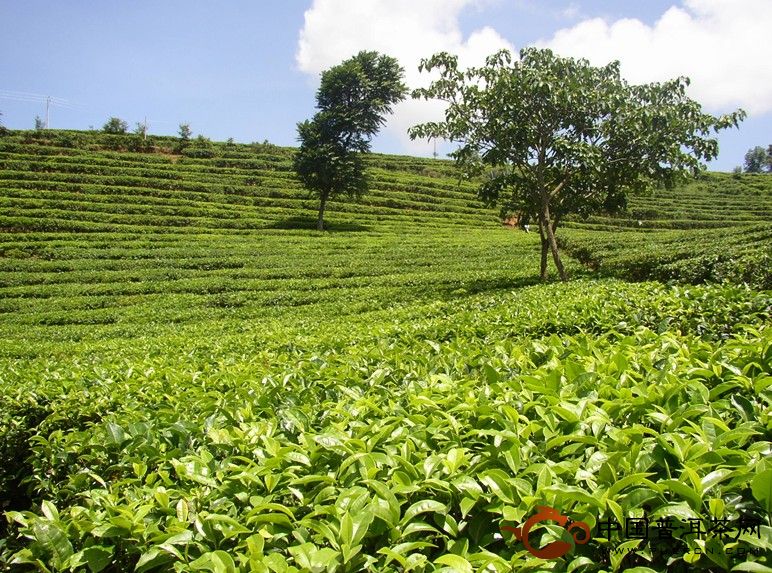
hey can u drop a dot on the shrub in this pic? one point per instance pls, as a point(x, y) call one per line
point(115, 125)
point(200, 148)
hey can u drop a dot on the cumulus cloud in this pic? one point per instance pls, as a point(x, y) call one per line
point(721, 45)
point(408, 30)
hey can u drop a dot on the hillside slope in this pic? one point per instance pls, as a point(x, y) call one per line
point(98, 231)
point(716, 228)
point(95, 238)
point(79, 182)
point(194, 380)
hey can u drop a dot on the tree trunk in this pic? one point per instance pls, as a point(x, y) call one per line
point(545, 248)
point(320, 220)
point(546, 224)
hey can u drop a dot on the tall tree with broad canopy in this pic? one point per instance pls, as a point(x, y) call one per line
point(353, 99)
point(554, 136)
point(756, 160)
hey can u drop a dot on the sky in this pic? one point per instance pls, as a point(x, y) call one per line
point(249, 69)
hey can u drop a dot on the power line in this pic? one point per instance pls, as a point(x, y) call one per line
point(37, 98)
point(47, 100)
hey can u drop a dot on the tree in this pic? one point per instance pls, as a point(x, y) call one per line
point(755, 160)
point(555, 136)
point(115, 125)
point(39, 123)
point(769, 158)
point(185, 134)
point(3, 129)
point(185, 131)
point(353, 100)
point(141, 129)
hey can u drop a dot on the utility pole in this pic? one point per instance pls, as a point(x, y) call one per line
point(435, 149)
point(48, 100)
point(144, 131)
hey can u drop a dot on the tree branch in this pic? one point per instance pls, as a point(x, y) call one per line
point(560, 185)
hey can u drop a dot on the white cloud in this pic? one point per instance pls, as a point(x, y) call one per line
point(722, 45)
point(570, 12)
point(408, 30)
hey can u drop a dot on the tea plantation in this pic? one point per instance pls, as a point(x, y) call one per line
point(714, 229)
point(194, 380)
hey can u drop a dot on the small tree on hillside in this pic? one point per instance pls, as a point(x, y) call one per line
point(353, 100)
point(185, 132)
point(555, 136)
point(3, 129)
point(115, 125)
point(39, 123)
point(756, 160)
point(141, 129)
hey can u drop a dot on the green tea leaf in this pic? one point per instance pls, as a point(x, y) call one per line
point(496, 481)
point(456, 563)
point(761, 487)
point(152, 559)
point(427, 505)
point(715, 477)
point(115, 434)
point(51, 538)
point(752, 567)
point(97, 557)
point(684, 491)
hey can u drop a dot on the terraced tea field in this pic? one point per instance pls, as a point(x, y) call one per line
point(193, 380)
point(715, 229)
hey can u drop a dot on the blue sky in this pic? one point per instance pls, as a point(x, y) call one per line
point(249, 69)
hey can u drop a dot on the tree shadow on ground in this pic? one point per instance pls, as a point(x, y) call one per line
point(303, 223)
point(489, 285)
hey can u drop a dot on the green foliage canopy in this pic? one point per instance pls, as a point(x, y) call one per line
point(556, 136)
point(353, 100)
point(757, 159)
point(115, 125)
point(185, 131)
